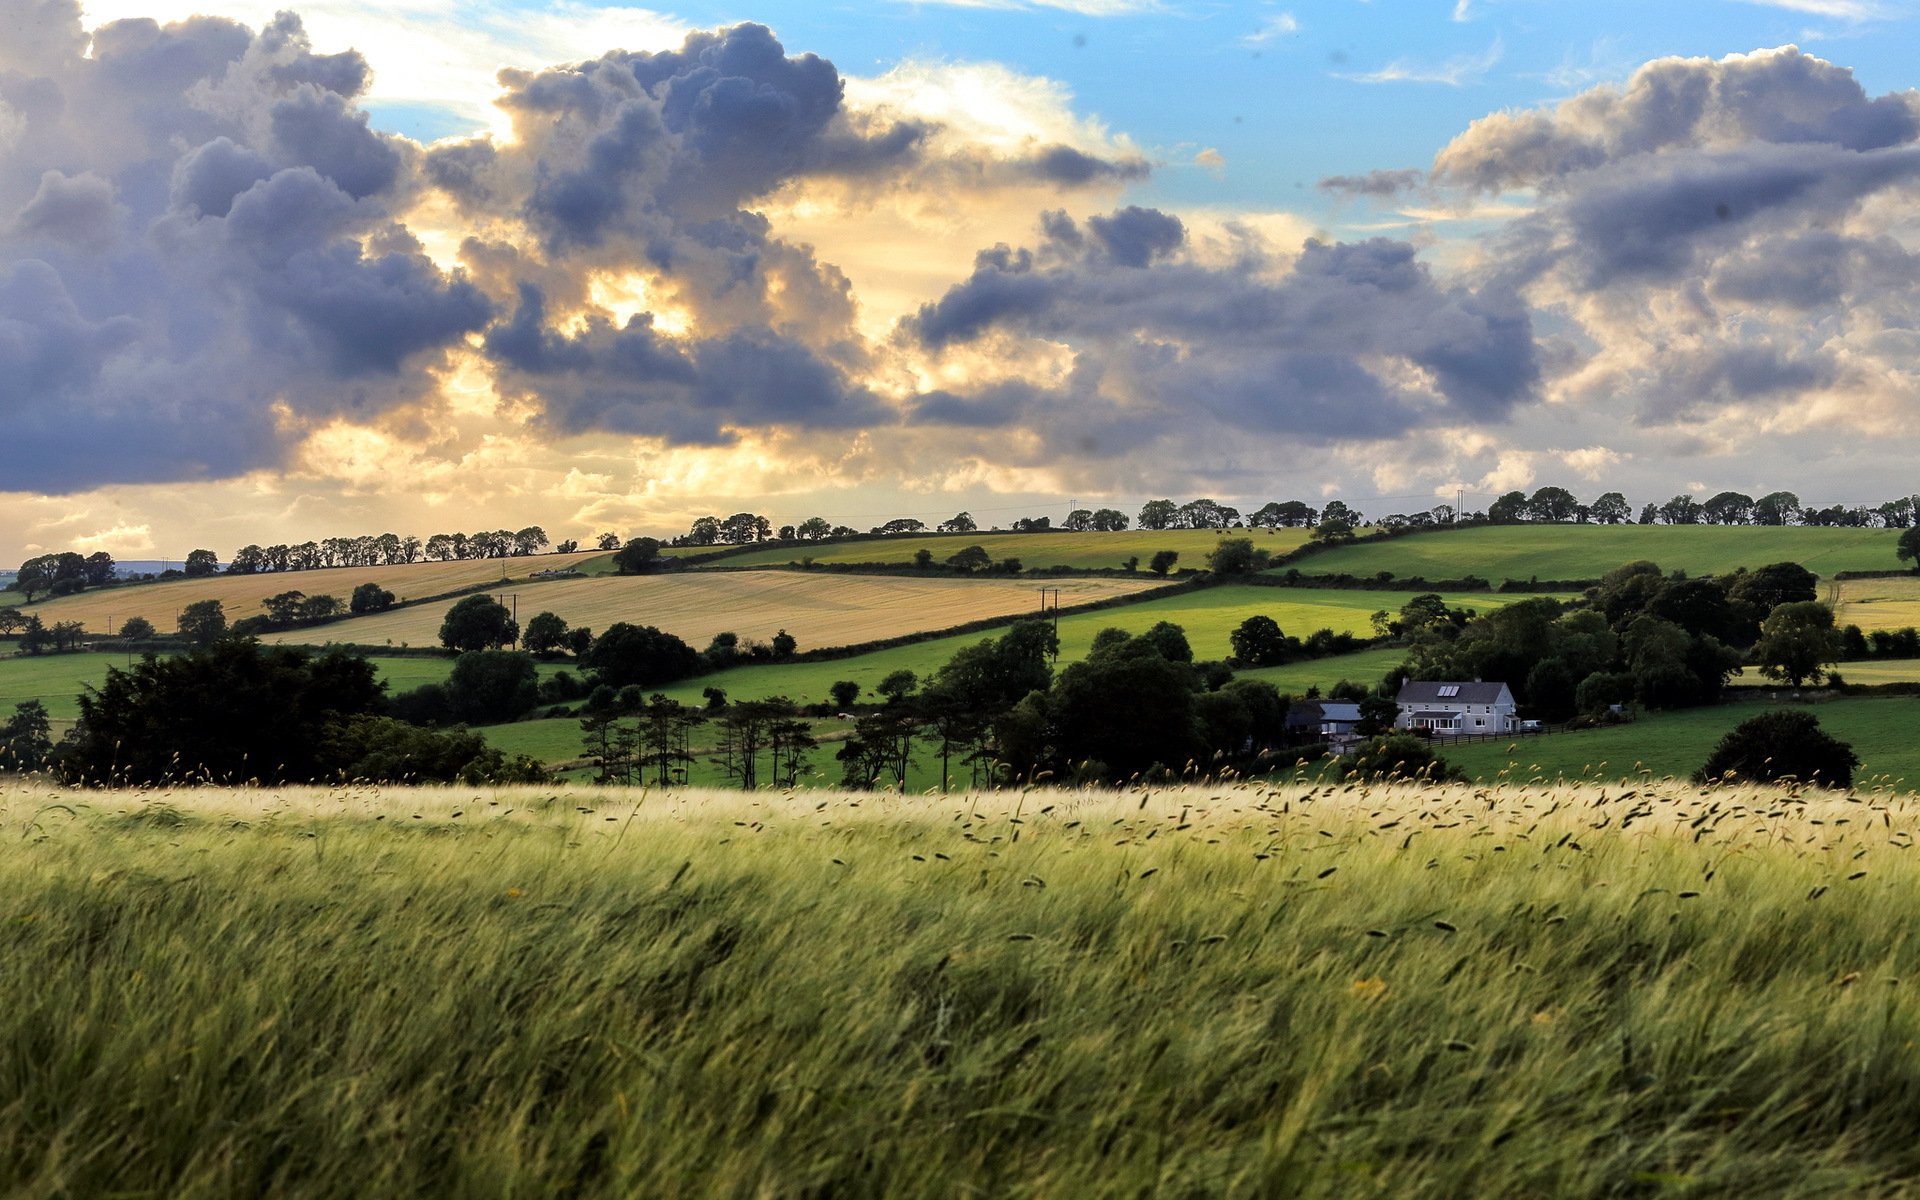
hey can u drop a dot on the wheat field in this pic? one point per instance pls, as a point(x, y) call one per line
point(1228, 990)
point(105, 610)
point(818, 609)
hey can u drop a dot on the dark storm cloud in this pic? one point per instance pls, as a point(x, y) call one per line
point(200, 254)
point(1164, 342)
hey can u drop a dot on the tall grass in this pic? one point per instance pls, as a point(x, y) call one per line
point(1297, 991)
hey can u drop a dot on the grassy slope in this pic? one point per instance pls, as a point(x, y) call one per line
point(819, 610)
point(1209, 992)
point(1589, 551)
point(1662, 744)
point(105, 610)
point(1082, 550)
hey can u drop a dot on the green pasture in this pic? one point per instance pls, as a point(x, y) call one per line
point(1589, 551)
point(1085, 551)
point(1364, 666)
point(1881, 731)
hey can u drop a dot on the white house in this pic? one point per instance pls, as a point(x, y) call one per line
point(1455, 709)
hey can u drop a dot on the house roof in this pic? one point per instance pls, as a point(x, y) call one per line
point(1446, 691)
point(1314, 712)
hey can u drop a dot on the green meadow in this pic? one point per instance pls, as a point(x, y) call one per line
point(1589, 551)
point(1222, 991)
point(1084, 551)
point(1881, 731)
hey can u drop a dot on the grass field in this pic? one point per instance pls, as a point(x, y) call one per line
point(104, 611)
point(1875, 603)
point(1590, 551)
point(1081, 550)
point(55, 679)
point(1366, 667)
point(1211, 992)
point(1880, 730)
point(819, 610)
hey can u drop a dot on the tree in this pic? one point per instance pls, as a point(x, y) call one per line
point(814, 528)
point(742, 528)
point(1158, 514)
point(1908, 547)
point(1259, 642)
point(1400, 756)
point(607, 541)
point(641, 654)
point(783, 645)
point(1080, 520)
point(1776, 508)
point(705, 531)
point(1778, 745)
point(1552, 504)
point(315, 609)
point(1796, 642)
point(1109, 520)
point(843, 693)
point(370, 598)
point(666, 728)
point(228, 712)
point(10, 620)
point(200, 562)
point(970, 559)
point(1773, 585)
point(138, 629)
point(638, 557)
point(900, 525)
point(1163, 561)
point(531, 540)
point(1681, 510)
point(1236, 556)
point(203, 621)
point(545, 634)
point(478, 623)
point(487, 687)
point(1510, 509)
point(1612, 509)
point(26, 739)
point(1728, 508)
point(1337, 513)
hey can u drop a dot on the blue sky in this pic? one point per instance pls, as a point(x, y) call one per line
point(1292, 93)
point(272, 276)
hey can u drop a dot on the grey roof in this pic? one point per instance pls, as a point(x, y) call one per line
point(1314, 712)
point(1412, 692)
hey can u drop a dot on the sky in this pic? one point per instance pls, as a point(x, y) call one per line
point(422, 266)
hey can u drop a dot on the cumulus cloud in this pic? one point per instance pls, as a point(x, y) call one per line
point(1727, 240)
point(1355, 342)
point(203, 255)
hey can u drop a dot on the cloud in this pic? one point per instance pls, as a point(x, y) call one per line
point(1454, 72)
point(1725, 240)
point(1845, 10)
point(202, 251)
point(1280, 25)
point(1377, 184)
point(1356, 342)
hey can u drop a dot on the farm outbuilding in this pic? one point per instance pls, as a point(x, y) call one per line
point(1448, 709)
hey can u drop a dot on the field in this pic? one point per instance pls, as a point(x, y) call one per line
point(1875, 603)
point(105, 610)
point(1086, 551)
point(55, 679)
point(1590, 551)
point(819, 610)
point(1880, 730)
point(1208, 616)
point(1218, 992)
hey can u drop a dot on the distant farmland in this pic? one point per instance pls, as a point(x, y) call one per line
point(1589, 551)
point(1875, 603)
point(1083, 551)
point(105, 610)
point(819, 610)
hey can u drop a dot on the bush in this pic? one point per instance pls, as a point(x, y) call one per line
point(1398, 756)
point(1780, 745)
